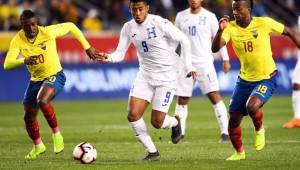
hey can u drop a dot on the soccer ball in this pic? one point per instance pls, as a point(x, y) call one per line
point(85, 153)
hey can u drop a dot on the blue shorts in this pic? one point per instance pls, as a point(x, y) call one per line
point(56, 81)
point(244, 89)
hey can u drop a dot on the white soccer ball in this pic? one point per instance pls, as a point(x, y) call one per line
point(85, 153)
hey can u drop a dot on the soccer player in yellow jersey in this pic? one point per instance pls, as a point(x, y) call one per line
point(37, 47)
point(256, 83)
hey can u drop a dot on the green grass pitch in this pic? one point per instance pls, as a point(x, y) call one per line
point(104, 124)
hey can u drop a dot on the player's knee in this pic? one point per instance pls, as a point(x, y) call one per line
point(183, 100)
point(29, 118)
point(42, 102)
point(156, 122)
point(233, 123)
point(296, 86)
point(253, 105)
point(234, 120)
point(132, 116)
point(214, 97)
point(157, 119)
point(252, 108)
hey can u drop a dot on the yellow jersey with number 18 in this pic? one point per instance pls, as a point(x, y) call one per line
point(253, 47)
point(43, 49)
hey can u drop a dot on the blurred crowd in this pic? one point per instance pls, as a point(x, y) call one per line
point(98, 15)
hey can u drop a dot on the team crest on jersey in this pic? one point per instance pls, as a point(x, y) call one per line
point(254, 33)
point(42, 45)
point(202, 20)
point(151, 33)
point(133, 35)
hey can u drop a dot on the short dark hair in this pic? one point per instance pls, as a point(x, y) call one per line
point(250, 2)
point(26, 14)
point(135, 1)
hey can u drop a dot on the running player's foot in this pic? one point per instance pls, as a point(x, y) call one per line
point(237, 156)
point(294, 123)
point(224, 138)
point(181, 139)
point(152, 157)
point(182, 118)
point(176, 132)
point(260, 139)
point(58, 142)
point(36, 150)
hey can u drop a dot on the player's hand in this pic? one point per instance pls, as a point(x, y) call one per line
point(223, 22)
point(31, 60)
point(103, 57)
point(192, 74)
point(226, 66)
point(92, 53)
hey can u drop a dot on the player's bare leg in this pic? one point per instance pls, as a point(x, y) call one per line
point(221, 114)
point(181, 110)
point(295, 121)
point(45, 95)
point(136, 109)
point(161, 120)
point(32, 127)
point(235, 133)
point(253, 108)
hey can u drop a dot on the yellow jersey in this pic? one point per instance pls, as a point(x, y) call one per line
point(43, 48)
point(253, 48)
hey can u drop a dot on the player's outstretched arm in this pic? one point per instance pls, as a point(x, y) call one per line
point(223, 51)
point(62, 29)
point(12, 59)
point(186, 54)
point(119, 54)
point(218, 42)
point(225, 57)
point(226, 66)
point(103, 57)
point(293, 35)
point(12, 62)
point(92, 53)
point(175, 34)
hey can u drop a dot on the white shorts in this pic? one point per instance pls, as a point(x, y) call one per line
point(296, 73)
point(206, 79)
point(159, 93)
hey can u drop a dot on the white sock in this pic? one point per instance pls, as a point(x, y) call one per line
point(182, 112)
point(38, 145)
point(169, 122)
point(221, 115)
point(296, 103)
point(140, 131)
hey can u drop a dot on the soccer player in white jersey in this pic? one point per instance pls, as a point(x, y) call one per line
point(295, 121)
point(154, 39)
point(200, 26)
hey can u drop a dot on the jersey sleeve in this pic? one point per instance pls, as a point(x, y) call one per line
point(178, 36)
point(275, 27)
point(177, 22)
point(124, 42)
point(12, 59)
point(214, 30)
point(226, 33)
point(214, 25)
point(62, 29)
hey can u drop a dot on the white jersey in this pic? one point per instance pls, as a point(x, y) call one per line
point(200, 29)
point(296, 77)
point(155, 41)
point(299, 30)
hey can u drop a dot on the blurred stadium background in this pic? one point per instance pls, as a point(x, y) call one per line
point(101, 22)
